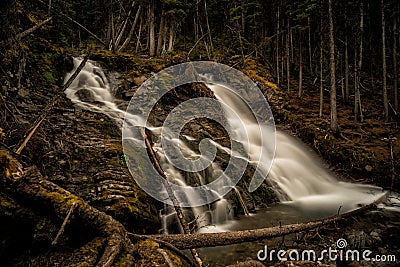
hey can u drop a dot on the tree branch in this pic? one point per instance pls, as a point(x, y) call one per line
point(28, 31)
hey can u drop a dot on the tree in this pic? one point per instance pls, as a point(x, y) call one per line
point(384, 72)
point(334, 119)
point(358, 65)
point(396, 74)
point(152, 34)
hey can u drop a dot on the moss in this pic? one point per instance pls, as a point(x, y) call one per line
point(86, 255)
point(49, 77)
point(150, 255)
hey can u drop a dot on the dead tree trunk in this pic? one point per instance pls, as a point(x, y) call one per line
point(130, 35)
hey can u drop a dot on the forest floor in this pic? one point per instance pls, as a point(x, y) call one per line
point(361, 152)
point(79, 150)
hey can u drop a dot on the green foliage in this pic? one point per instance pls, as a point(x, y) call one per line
point(49, 77)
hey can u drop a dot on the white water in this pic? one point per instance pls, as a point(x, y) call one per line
point(297, 175)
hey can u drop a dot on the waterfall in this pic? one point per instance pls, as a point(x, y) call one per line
point(297, 175)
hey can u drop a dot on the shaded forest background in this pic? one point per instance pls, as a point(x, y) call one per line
point(329, 70)
point(291, 37)
point(335, 62)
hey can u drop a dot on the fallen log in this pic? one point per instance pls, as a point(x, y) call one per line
point(196, 240)
point(28, 187)
point(32, 188)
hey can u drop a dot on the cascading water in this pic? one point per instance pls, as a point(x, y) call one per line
point(297, 175)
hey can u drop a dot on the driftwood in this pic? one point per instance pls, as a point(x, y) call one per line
point(184, 241)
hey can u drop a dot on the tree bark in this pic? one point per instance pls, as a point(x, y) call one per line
point(396, 74)
point(288, 55)
point(171, 35)
point(152, 36)
point(309, 45)
point(346, 70)
point(357, 97)
point(122, 30)
point(384, 85)
point(161, 34)
point(300, 68)
point(130, 35)
point(334, 120)
point(321, 82)
point(321, 66)
point(277, 46)
point(208, 26)
point(184, 241)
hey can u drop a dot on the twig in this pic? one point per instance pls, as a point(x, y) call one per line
point(195, 44)
point(71, 209)
point(50, 105)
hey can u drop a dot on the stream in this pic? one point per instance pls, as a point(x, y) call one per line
point(305, 187)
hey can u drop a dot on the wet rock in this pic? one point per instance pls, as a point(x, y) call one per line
point(85, 95)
